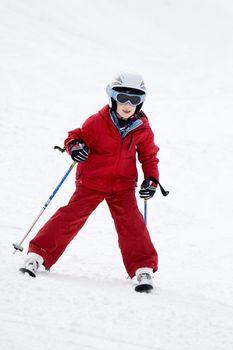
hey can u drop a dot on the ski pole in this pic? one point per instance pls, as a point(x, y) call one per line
point(18, 246)
point(145, 211)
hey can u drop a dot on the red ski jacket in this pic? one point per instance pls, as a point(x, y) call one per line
point(111, 165)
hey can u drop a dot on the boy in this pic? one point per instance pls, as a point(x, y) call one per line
point(105, 149)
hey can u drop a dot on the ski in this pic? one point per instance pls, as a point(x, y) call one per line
point(23, 270)
point(144, 288)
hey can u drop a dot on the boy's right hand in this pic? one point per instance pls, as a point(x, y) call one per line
point(79, 152)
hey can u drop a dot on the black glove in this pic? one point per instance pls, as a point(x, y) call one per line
point(147, 189)
point(79, 152)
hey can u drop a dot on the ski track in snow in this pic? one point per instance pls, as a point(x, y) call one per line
point(56, 58)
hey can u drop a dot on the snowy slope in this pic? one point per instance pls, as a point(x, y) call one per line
point(56, 57)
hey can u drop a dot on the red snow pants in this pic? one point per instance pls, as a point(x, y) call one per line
point(134, 241)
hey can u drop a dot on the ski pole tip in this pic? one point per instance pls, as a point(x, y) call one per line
point(17, 247)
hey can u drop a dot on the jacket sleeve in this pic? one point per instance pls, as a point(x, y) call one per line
point(147, 155)
point(82, 135)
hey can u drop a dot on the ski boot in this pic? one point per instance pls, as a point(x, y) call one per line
point(144, 277)
point(32, 264)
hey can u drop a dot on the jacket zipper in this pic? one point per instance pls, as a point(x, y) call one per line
point(133, 127)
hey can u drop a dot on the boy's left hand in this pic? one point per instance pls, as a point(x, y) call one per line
point(147, 190)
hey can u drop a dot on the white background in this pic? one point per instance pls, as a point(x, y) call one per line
point(56, 58)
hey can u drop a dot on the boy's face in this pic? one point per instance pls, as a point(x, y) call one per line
point(125, 111)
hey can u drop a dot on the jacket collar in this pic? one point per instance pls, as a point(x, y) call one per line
point(133, 123)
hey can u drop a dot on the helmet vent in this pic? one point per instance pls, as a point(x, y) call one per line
point(142, 85)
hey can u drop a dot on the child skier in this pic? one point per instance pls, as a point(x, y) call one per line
point(105, 149)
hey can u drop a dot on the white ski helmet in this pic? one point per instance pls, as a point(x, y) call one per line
point(129, 83)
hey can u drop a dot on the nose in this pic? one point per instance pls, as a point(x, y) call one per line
point(128, 104)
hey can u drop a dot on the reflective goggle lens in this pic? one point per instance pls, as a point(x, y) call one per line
point(124, 98)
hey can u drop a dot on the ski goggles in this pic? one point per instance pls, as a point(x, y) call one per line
point(124, 98)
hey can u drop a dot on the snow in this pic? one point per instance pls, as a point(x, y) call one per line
point(56, 58)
